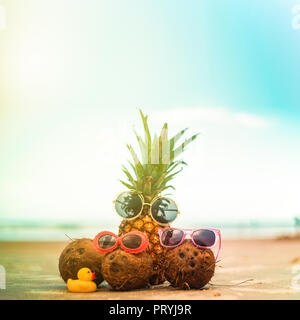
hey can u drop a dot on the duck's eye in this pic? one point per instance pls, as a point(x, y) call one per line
point(88, 272)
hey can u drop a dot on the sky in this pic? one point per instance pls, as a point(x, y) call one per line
point(74, 74)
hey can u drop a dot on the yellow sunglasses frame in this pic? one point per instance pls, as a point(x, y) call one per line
point(146, 204)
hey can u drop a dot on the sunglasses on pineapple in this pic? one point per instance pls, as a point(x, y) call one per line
point(201, 238)
point(132, 242)
point(129, 205)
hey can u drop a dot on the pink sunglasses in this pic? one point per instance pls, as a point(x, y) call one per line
point(201, 238)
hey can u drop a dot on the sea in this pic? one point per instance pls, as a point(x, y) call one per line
point(62, 231)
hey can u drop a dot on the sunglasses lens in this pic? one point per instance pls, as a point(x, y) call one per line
point(204, 238)
point(164, 210)
point(106, 242)
point(132, 241)
point(128, 205)
point(171, 237)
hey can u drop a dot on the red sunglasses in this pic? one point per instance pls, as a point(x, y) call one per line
point(132, 242)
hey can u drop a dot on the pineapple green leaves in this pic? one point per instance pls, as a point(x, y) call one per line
point(158, 165)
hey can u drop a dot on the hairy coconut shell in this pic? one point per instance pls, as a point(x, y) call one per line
point(189, 266)
point(158, 275)
point(125, 271)
point(78, 254)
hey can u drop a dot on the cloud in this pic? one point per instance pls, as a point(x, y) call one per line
point(210, 115)
point(252, 121)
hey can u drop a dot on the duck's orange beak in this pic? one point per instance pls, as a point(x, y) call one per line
point(93, 276)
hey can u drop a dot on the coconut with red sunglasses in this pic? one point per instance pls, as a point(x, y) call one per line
point(126, 264)
point(190, 263)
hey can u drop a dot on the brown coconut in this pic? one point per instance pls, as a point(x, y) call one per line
point(189, 266)
point(158, 275)
point(78, 254)
point(125, 271)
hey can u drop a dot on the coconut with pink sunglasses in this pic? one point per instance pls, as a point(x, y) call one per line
point(190, 262)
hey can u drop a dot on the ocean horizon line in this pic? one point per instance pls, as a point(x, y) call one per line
point(79, 224)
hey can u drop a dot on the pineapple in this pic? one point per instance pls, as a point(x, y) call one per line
point(152, 177)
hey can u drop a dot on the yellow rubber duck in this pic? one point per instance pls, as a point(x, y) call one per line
point(84, 282)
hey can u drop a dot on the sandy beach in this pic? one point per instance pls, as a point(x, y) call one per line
point(270, 266)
